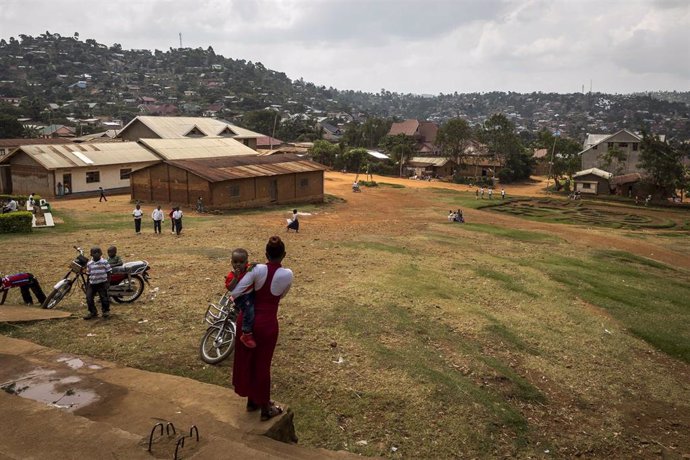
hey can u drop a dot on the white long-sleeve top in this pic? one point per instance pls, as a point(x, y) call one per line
point(282, 280)
point(157, 214)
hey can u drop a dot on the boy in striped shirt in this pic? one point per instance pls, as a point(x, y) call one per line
point(98, 270)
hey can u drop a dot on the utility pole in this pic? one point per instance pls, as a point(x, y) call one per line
point(553, 150)
point(180, 40)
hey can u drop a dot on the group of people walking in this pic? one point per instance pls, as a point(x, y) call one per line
point(479, 193)
point(158, 216)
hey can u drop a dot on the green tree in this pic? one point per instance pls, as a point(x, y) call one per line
point(613, 160)
point(563, 151)
point(354, 159)
point(323, 152)
point(663, 164)
point(399, 148)
point(261, 121)
point(10, 128)
point(453, 138)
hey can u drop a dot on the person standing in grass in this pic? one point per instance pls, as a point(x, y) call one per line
point(102, 192)
point(251, 370)
point(503, 193)
point(137, 213)
point(157, 216)
point(177, 220)
point(294, 222)
point(172, 221)
point(98, 271)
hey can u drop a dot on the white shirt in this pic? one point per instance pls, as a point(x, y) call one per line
point(157, 214)
point(177, 215)
point(282, 280)
point(12, 205)
point(137, 213)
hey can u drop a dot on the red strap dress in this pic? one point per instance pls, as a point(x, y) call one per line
point(251, 371)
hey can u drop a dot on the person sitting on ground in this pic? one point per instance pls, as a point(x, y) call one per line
point(245, 302)
point(113, 259)
point(355, 186)
point(293, 224)
point(459, 217)
point(451, 216)
point(12, 205)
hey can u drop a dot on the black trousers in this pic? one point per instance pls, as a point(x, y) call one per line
point(177, 225)
point(156, 226)
point(102, 290)
point(34, 287)
point(137, 225)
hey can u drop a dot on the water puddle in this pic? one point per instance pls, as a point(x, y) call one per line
point(45, 386)
point(73, 363)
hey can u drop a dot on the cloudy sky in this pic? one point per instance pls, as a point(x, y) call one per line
point(417, 46)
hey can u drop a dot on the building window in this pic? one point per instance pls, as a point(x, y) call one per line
point(245, 142)
point(635, 145)
point(610, 145)
point(304, 183)
point(622, 144)
point(595, 147)
point(234, 191)
point(585, 185)
point(93, 177)
point(125, 173)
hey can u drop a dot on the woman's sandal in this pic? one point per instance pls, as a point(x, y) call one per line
point(272, 411)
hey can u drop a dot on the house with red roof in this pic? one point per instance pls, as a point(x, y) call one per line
point(423, 132)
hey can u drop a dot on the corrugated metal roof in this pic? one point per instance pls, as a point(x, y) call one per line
point(429, 161)
point(86, 154)
point(626, 179)
point(180, 127)
point(596, 171)
point(241, 167)
point(186, 148)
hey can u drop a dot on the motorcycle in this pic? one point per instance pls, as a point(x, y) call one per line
point(218, 341)
point(126, 282)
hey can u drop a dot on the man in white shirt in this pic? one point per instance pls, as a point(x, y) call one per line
point(158, 217)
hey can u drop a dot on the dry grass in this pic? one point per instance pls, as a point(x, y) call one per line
point(423, 338)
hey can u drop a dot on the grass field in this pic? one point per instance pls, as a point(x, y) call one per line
point(408, 336)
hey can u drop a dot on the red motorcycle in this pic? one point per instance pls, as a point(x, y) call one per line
point(126, 282)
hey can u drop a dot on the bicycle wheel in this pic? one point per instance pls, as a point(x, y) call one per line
point(217, 343)
point(57, 295)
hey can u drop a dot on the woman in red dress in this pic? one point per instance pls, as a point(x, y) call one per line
point(251, 371)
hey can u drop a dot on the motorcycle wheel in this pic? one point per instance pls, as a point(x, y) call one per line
point(136, 283)
point(209, 352)
point(57, 295)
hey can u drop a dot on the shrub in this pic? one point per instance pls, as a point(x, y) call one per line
point(16, 222)
point(481, 181)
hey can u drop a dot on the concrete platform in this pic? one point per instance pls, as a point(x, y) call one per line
point(60, 405)
point(10, 313)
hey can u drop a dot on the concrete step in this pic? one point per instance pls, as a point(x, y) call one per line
point(123, 404)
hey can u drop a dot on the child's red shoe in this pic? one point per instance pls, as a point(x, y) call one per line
point(248, 340)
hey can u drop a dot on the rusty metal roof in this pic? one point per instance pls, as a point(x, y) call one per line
point(242, 167)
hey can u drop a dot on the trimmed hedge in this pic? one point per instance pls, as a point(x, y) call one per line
point(19, 198)
point(16, 222)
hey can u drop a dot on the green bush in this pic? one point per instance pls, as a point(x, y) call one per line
point(16, 222)
point(481, 181)
point(18, 198)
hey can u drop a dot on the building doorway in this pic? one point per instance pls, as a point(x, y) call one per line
point(67, 183)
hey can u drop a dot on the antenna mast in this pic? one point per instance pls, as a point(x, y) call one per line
point(180, 40)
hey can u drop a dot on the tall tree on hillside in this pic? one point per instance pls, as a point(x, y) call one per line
point(323, 152)
point(453, 138)
point(663, 164)
point(399, 148)
point(261, 121)
point(499, 135)
point(10, 128)
point(563, 151)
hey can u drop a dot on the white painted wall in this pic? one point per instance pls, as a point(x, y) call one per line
point(110, 176)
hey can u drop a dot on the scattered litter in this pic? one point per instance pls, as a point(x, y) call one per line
point(340, 360)
point(607, 331)
point(546, 451)
point(208, 279)
point(394, 449)
point(362, 443)
point(143, 321)
point(90, 335)
point(95, 366)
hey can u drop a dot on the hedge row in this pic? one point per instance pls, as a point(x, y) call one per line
point(19, 198)
point(16, 222)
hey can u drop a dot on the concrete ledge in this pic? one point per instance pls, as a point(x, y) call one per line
point(20, 313)
point(124, 404)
